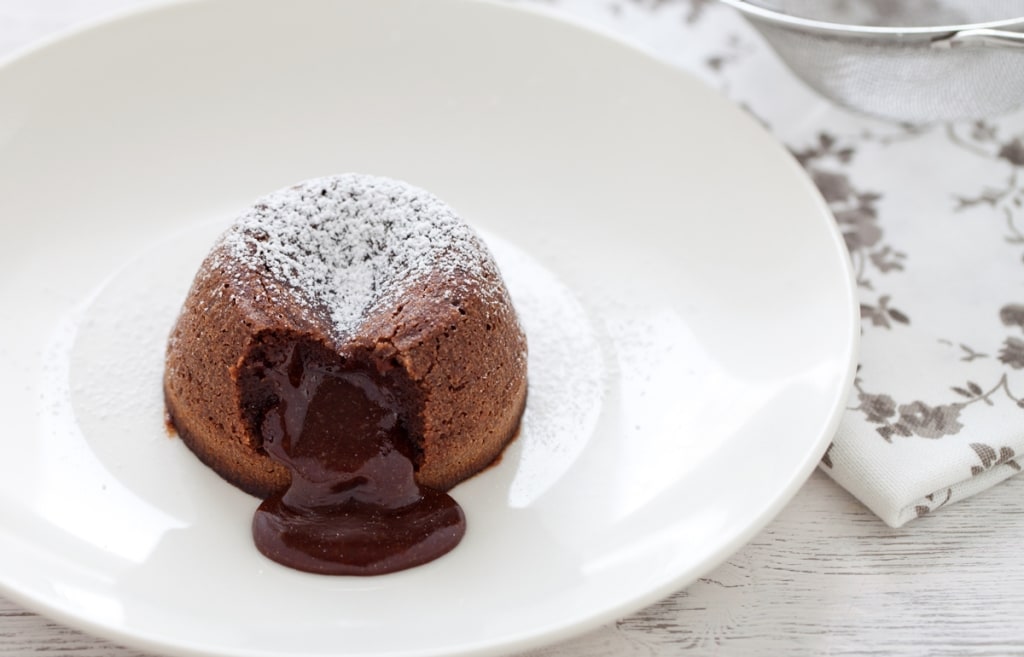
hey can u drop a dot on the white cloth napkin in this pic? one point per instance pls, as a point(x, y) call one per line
point(934, 222)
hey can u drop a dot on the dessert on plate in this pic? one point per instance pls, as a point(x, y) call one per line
point(348, 352)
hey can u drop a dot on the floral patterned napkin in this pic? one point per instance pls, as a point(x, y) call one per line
point(934, 222)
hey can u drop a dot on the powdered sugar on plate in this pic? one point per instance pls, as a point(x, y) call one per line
point(110, 354)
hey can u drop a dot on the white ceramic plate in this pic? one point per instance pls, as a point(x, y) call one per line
point(686, 296)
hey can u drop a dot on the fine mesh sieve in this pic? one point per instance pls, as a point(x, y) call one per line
point(914, 61)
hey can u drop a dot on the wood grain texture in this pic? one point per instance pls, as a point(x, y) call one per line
point(825, 577)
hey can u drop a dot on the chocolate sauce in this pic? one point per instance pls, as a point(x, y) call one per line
point(353, 507)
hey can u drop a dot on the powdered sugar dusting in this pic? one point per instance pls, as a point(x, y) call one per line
point(567, 374)
point(342, 243)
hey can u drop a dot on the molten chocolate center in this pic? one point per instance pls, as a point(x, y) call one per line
point(353, 507)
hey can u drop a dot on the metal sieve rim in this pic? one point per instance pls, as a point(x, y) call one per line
point(901, 34)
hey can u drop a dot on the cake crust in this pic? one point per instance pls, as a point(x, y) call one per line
point(392, 283)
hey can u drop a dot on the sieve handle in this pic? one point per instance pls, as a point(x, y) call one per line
point(986, 37)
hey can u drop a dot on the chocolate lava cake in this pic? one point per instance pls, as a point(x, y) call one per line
point(376, 288)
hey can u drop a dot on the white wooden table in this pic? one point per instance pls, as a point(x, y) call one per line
point(825, 577)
